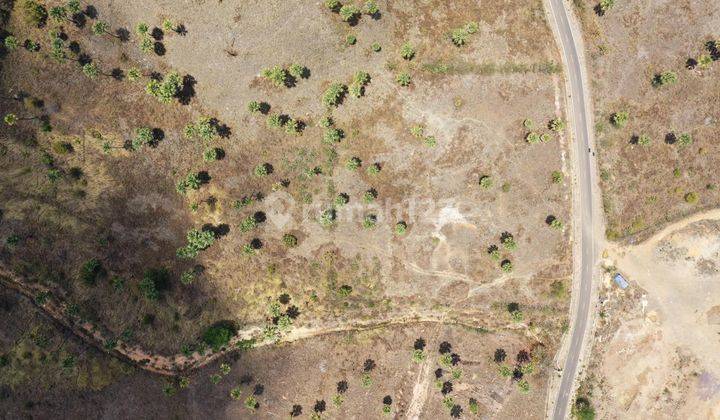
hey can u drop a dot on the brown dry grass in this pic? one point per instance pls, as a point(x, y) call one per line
point(627, 47)
point(132, 219)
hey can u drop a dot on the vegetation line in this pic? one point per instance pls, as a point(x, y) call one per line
point(52, 306)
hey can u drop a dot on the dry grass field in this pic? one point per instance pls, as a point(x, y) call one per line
point(649, 183)
point(385, 204)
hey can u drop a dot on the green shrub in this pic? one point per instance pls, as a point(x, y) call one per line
point(251, 403)
point(197, 240)
point(133, 74)
point(557, 177)
point(684, 140)
point(704, 61)
point(262, 170)
point(62, 147)
point(665, 78)
point(289, 240)
point(643, 140)
point(143, 136)
point(211, 154)
point(297, 71)
point(403, 79)
point(494, 252)
point(557, 125)
point(606, 5)
point(371, 7)
point(11, 43)
point(400, 228)
point(275, 121)
point(333, 4)
point(219, 335)
point(508, 241)
point(353, 163)
point(204, 129)
point(277, 75)
point(582, 409)
point(619, 119)
point(146, 44)
point(332, 135)
point(556, 224)
point(369, 221)
point(376, 47)
point(91, 271)
point(459, 36)
point(692, 198)
point(344, 290)
point(253, 107)
point(341, 200)
point(35, 13)
point(369, 196)
point(153, 282)
point(349, 12)
point(327, 217)
point(334, 94)
point(407, 51)
point(292, 126)
point(350, 40)
point(486, 181)
point(191, 182)
point(373, 169)
point(532, 137)
point(165, 90)
point(187, 277)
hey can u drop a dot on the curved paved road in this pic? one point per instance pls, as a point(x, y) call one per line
point(571, 46)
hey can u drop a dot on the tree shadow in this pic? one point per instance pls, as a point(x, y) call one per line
point(219, 153)
point(713, 48)
point(691, 63)
point(159, 48)
point(219, 231)
point(157, 34)
point(204, 177)
point(117, 73)
point(187, 92)
point(634, 139)
point(181, 30)
point(123, 34)
point(550, 219)
point(259, 217)
point(91, 12)
point(256, 243)
point(74, 47)
point(670, 138)
point(158, 135)
point(79, 20)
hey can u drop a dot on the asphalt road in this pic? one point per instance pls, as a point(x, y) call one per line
point(579, 98)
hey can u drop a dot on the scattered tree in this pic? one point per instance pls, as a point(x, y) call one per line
point(205, 128)
point(349, 12)
point(334, 94)
point(197, 240)
point(165, 90)
point(143, 136)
